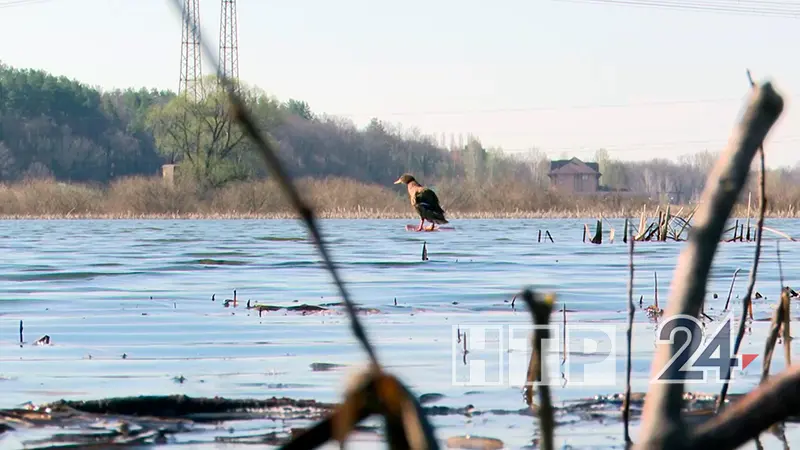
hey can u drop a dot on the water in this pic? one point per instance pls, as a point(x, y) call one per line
point(128, 307)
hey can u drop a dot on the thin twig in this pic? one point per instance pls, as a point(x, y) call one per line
point(787, 310)
point(786, 327)
point(780, 264)
point(730, 291)
point(751, 282)
point(240, 114)
point(564, 351)
point(662, 426)
point(779, 233)
point(629, 337)
point(655, 288)
point(772, 338)
point(739, 336)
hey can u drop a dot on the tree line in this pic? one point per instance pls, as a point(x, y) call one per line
point(55, 127)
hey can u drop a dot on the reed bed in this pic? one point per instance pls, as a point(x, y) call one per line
point(334, 198)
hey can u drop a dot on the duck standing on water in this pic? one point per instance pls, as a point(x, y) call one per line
point(424, 201)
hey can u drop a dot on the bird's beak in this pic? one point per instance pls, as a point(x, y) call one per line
point(399, 181)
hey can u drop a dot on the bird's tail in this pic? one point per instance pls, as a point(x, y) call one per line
point(439, 218)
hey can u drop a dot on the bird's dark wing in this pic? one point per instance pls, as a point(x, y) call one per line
point(427, 199)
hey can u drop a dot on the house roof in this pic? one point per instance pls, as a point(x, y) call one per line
point(573, 166)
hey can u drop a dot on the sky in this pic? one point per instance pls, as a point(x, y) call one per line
point(566, 77)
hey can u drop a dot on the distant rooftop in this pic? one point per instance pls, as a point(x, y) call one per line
point(574, 166)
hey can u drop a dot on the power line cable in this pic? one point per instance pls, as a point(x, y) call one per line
point(540, 108)
point(708, 5)
point(17, 3)
point(700, 6)
point(634, 147)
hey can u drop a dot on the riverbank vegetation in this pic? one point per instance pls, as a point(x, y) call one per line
point(153, 197)
point(70, 150)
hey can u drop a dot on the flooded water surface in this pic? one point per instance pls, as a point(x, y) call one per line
point(128, 308)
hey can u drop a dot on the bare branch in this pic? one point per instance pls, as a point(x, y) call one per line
point(772, 402)
point(240, 114)
point(629, 337)
point(661, 420)
point(748, 296)
point(730, 291)
point(772, 338)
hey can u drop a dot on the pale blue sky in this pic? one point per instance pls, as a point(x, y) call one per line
point(515, 73)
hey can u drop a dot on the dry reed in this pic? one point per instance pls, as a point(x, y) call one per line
point(152, 198)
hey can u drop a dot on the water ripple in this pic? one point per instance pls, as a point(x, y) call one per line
point(128, 303)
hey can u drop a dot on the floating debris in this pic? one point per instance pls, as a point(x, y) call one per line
point(147, 419)
point(430, 398)
point(324, 367)
point(44, 340)
point(474, 442)
point(229, 301)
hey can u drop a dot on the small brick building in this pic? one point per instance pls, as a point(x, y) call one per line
point(574, 175)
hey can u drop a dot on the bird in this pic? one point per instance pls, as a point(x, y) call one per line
point(424, 201)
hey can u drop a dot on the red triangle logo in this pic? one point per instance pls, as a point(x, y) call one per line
point(747, 358)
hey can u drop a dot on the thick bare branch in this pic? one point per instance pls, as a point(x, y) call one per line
point(775, 400)
point(661, 421)
point(751, 282)
point(242, 115)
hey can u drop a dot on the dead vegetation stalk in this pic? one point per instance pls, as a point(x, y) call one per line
point(730, 291)
point(540, 308)
point(772, 338)
point(787, 309)
point(655, 289)
point(629, 337)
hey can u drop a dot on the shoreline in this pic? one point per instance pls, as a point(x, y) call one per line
point(331, 198)
point(362, 215)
